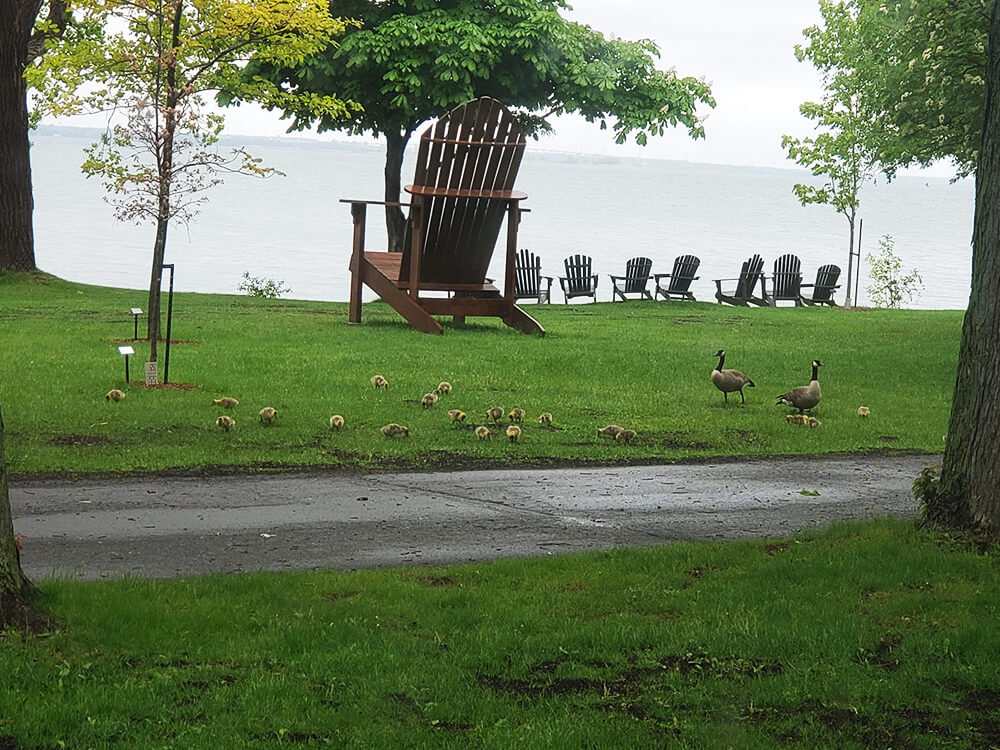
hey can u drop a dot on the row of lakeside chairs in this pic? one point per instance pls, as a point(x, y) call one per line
point(580, 281)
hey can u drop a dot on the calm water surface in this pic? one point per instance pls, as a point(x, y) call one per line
point(294, 228)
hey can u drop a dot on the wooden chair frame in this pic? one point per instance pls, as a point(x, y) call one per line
point(528, 278)
point(751, 274)
point(786, 280)
point(685, 268)
point(824, 287)
point(636, 279)
point(579, 280)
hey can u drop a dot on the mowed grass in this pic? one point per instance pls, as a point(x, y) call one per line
point(641, 365)
point(861, 636)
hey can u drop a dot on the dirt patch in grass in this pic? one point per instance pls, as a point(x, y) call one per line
point(882, 654)
point(336, 596)
point(169, 386)
point(672, 441)
point(7, 742)
point(82, 440)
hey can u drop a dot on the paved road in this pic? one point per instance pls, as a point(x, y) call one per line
point(186, 526)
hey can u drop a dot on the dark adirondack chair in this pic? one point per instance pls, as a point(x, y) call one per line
point(579, 280)
point(635, 280)
point(685, 268)
point(462, 190)
point(826, 284)
point(786, 282)
point(751, 274)
point(528, 279)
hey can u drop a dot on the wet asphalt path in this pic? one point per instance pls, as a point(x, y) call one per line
point(185, 526)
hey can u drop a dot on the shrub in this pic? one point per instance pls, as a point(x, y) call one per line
point(889, 287)
point(259, 286)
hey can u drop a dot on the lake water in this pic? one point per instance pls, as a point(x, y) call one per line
point(294, 228)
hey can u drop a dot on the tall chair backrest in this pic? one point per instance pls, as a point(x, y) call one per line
point(578, 274)
point(637, 275)
point(787, 279)
point(826, 283)
point(527, 274)
point(475, 148)
point(750, 274)
point(685, 271)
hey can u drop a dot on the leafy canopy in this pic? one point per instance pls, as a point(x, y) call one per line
point(410, 60)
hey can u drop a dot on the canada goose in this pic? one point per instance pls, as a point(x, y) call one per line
point(395, 430)
point(457, 415)
point(626, 436)
point(225, 402)
point(226, 422)
point(812, 422)
point(611, 430)
point(516, 415)
point(513, 432)
point(444, 387)
point(336, 422)
point(495, 413)
point(379, 382)
point(729, 381)
point(864, 411)
point(429, 400)
point(795, 418)
point(805, 396)
point(114, 395)
point(482, 433)
point(268, 414)
point(545, 418)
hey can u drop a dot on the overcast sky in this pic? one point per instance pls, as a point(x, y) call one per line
point(744, 49)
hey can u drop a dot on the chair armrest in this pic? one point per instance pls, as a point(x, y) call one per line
point(353, 202)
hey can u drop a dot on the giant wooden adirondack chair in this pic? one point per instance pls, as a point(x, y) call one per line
point(462, 190)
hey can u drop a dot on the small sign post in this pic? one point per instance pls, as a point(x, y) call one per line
point(151, 376)
point(125, 351)
point(136, 312)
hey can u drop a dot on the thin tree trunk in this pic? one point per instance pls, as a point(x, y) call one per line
point(17, 243)
point(155, 281)
point(850, 260)
point(395, 222)
point(969, 492)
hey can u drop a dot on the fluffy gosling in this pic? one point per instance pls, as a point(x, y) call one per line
point(379, 382)
point(516, 415)
point(226, 422)
point(625, 436)
point(225, 402)
point(545, 418)
point(611, 430)
point(443, 388)
point(795, 418)
point(456, 415)
point(395, 430)
point(482, 433)
point(864, 411)
point(114, 395)
point(336, 422)
point(513, 432)
point(495, 413)
point(268, 414)
point(812, 421)
point(429, 400)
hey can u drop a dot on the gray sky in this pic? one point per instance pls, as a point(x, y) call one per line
point(744, 49)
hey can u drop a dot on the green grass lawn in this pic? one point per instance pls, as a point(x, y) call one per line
point(641, 365)
point(872, 635)
point(860, 636)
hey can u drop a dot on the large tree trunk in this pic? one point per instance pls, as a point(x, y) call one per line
point(395, 222)
point(15, 588)
point(969, 492)
point(17, 244)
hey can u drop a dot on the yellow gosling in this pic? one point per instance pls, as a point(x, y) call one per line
point(268, 414)
point(482, 433)
point(226, 422)
point(379, 382)
point(444, 387)
point(545, 418)
point(336, 422)
point(812, 422)
point(864, 411)
point(795, 418)
point(495, 413)
point(225, 402)
point(513, 432)
point(625, 436)
point(516, 415)
point(611, 430)
point(456, 415)
point(395, 430)
point(114, 395)
point(429, 400)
